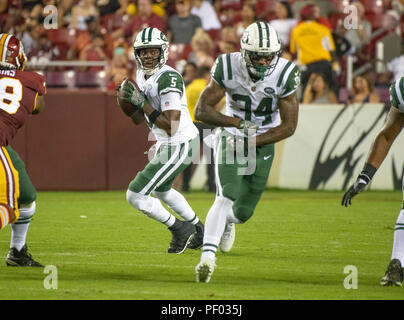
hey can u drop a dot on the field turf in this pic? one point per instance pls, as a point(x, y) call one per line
point(296, 246)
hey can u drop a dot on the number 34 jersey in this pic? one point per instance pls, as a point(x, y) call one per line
point(19, 91)
point(254, 101)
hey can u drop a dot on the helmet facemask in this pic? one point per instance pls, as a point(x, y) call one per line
point(258, 70)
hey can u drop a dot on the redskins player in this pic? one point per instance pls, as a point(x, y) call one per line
point(21, 94)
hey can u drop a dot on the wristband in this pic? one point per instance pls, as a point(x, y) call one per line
point(153, 116)
point(368, 172)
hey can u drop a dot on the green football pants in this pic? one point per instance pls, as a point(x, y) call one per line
point(168, 162)
point(244, 189)
point(27, 190)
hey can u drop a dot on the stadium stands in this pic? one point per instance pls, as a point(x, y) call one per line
point(382, 15)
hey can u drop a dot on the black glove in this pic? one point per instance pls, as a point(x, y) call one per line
point(361, 182)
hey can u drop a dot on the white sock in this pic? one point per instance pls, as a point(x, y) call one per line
point(19, 229)
point(150, 206)
point(214, 226)
point(178, 204)
point(398, 244)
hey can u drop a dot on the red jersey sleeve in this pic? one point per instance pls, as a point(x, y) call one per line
point(32, 80)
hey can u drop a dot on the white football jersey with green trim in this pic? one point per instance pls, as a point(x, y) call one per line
point(254, 101)
point(165, 90)
point(397, 94)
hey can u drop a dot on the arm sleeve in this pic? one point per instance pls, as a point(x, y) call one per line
point(170, 101)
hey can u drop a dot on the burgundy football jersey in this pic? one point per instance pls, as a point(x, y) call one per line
point(18, 93)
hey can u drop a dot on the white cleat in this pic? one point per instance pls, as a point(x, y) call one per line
point(229, 234)
point(204, 270)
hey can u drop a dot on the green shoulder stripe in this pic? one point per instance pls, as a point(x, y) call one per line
point(228, 64)
point(217, 71)
point(393, 96)
point(280, 80)
point(170, 81)
point(397, 93)
point(293, 81)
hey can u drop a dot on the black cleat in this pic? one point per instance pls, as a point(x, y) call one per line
point(393, 275)
point(183, 233)
point(21, 258)
point(197, 240)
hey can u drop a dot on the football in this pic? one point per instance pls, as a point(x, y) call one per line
point(127, 107)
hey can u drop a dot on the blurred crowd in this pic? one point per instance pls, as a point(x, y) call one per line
point(200, 30)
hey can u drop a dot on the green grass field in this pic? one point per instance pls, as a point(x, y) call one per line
point(295, 247)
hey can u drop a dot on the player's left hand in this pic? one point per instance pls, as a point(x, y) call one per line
point(247, 127)
point(133, 94)
point(360, 184)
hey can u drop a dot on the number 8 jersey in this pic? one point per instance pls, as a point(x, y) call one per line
point(254, 101)
point(18, 96)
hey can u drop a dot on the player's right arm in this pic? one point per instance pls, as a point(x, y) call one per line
point(40, 105)
point(385, 138)
point(205, 109)
point(378, 152)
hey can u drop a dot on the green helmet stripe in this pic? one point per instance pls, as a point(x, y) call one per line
point(401, 87)
point(144, 35)
point(150, 34)
point(229, 71)
point(393, 95)
point(267, 29)
point(260, 33)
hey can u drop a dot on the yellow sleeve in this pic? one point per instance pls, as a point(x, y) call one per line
point(292, 45)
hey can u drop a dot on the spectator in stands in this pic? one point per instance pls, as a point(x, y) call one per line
point(317, 92)
point(94, 51)
point(228, 42)
point(84, 38)
point(321, 19)
point(111, 6)
point(206, 12)
point(30, 35)
point(118, 67)
point(202, 46)
point(360, 34)
point(284, 22)
point(315, 48)
point(145, 18)
point(326, 7)
point(247, 18)
point(43, 51)
point(80, 12)
point(342, 45)
point(190, 73)
point(183, 25)
point(395, 69)
point(34, 8)
point(363, 91)
point(193, 92)
point(228, 9)
point(14, 21)
point(64, 12)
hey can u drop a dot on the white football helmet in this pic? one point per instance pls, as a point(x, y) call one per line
point(151, 38)
point(260, 40)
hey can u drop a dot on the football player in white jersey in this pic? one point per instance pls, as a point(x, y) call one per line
point(378, 152)
point(160, 100)
point(261, 108)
